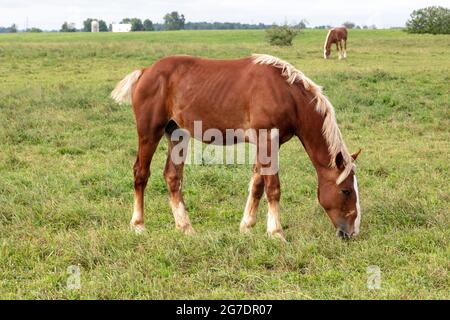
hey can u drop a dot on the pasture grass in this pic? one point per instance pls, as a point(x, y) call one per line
point(66, 186)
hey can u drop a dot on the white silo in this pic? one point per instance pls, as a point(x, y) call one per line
point(95, 26)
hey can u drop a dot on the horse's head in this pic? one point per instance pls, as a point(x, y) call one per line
point(341, 201)
point(326, 52)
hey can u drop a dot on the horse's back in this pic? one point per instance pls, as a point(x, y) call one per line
point(342, 32)
point(182, 63)
point(223, 94)
point(187, 88)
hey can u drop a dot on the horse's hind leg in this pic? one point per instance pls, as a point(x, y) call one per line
point(173, 174)
point(147, 147)
point(256, 190)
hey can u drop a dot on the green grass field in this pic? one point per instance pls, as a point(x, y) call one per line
point(66, 186)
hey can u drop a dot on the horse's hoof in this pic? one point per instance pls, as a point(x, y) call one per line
point(247, 223)
point(137, 228)
point(244, 228)
point(279, 235)
point(187, 230)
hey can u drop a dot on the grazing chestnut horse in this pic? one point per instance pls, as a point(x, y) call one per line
point(257, 92)
point(339, 37)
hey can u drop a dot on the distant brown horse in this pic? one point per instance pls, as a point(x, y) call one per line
point(339, 37)
point(257, 92)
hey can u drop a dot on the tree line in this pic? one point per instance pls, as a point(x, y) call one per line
point(433, 20)
point(172, 21)
point(11, 29)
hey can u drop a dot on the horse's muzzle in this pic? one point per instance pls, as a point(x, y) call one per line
point(343, 234)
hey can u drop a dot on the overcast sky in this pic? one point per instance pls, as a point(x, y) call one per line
point(50, 14)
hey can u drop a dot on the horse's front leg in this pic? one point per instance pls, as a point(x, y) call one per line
point(273, 193)
point(339, 49)
point(173, 174)
point(256, 190)
point(267, 152)
point(345, 48)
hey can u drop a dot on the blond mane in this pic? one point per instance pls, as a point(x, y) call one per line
point(326, 39)
point(330, 129)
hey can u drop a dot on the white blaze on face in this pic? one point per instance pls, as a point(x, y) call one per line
point(358, 208)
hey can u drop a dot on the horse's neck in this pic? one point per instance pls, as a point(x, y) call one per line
point(328, 40)
point(309, 131)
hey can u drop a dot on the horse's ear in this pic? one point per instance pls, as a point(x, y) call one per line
point(339, 161)
point(356, 154)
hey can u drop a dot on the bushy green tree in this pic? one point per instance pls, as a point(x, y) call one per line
point(174, 21)
point(87, 24)
point(302, 24)
point(68, 27)
point(281, 36)
point(348, 25)
point(13, 28)
point(434, 20)
point(102, 26)
point(36, 30)
point(137, 25)
point(148, 25)
point(323, 27)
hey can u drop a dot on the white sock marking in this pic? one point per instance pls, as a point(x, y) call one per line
point(273, 219)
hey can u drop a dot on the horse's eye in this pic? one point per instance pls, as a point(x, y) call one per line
point(346, 192)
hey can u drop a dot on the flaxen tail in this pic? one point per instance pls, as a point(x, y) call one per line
point(122, 92)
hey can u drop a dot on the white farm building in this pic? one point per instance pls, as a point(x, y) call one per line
point(121, 27)
point(95, 27)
